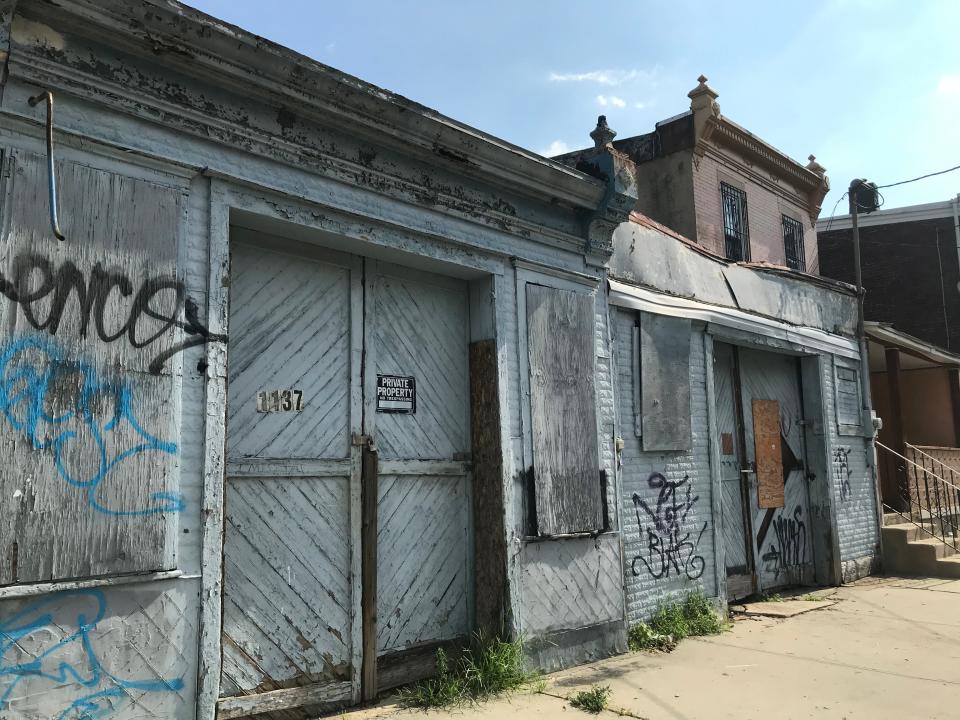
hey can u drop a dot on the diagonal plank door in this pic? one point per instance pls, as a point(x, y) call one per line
point(781, 523)
point(417, 327)
point(290, 556)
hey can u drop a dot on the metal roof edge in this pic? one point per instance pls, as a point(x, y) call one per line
point(887, 333)
point(908, 213)
point(644, 299)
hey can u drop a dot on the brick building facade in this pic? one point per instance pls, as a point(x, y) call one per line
point(911, 273)
point(711, 180)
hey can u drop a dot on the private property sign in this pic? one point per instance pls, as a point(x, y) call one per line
point(396, 394)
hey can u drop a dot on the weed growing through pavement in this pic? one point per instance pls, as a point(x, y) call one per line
point(490, 666)
point(673, 622)
point(593, 700)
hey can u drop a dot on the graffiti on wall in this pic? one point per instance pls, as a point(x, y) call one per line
point(87, 423)
point(672, 544)
point(50, 648)
point(142, 314)
point(788, 551)
point(841, 471)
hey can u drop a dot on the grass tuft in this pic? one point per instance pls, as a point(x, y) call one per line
point(490, 666)
point(593, 700)
point(673, 622)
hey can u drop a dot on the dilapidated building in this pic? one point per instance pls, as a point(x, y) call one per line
point(281, 410)
point(747, 462)
point(302, 381)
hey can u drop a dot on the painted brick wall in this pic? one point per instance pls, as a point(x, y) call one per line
point(764, 210)
point(854, 496)
point(606, 406)
point(644, 591)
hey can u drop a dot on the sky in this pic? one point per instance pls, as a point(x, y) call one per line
point(871, 87)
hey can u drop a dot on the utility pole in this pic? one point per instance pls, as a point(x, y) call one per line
point(854, 214)
point(866, 411)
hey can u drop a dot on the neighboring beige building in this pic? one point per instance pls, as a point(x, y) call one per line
point(709, 179)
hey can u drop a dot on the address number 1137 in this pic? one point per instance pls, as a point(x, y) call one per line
point(279, 401)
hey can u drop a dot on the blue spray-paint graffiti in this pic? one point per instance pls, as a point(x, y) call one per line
point(61, 658)
point(65, 407)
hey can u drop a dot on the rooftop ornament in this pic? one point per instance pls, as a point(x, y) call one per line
point(602, 134)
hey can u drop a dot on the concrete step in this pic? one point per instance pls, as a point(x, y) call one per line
point(903, 531)
point(939, 548)
point(948, 567)
point(908, 550)
point(892, 518)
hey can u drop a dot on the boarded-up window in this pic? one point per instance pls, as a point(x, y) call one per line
point(560, 332)
point(849, 418)
point(665, 382)
point(87, 394)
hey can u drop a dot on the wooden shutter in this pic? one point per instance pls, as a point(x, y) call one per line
point(563, 410)
point(91, 326)
point(665, 382)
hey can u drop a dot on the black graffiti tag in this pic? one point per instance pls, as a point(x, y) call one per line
point(790, 550)
point(669, 545)
point(155, 307)
point(841, 471)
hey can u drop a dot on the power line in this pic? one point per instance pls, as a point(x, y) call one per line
point(889, 185)
point(833, 213)
point(922, 177)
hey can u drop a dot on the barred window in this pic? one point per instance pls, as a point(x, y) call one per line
point(736, 227)
point(793, 243)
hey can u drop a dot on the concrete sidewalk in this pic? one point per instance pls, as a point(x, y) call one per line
point(888, 648)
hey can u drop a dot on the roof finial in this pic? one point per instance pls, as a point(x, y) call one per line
point(602, 134)
point(815, 166)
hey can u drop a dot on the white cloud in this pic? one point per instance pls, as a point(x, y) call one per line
point(605, 77)
point(557, 147)
point(949, 86)
point(605, 100)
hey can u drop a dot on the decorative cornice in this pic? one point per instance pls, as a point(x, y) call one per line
point(183, 44)
point(735, 137)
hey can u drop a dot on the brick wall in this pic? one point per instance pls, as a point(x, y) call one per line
point(910, 275)
point(765, 207)
point(644, 590)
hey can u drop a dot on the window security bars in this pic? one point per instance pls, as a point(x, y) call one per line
point(736, 228)
point(793, 244)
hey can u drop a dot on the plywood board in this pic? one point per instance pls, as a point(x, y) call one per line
point(766, 438)
point(665, 382)
point(560, 332)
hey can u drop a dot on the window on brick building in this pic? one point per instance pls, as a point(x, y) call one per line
point(736, 228)
point(793, 243)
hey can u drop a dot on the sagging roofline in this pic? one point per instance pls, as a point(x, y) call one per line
point(650, 256)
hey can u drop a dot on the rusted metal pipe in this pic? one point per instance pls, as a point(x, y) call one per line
point(51, 169)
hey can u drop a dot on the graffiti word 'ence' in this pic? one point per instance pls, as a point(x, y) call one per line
point(669, 543)
point(48, 652)
point(106, 302)
point(89, 424)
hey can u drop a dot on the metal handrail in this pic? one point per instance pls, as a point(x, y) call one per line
point(936, 504)
point(953, 473)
